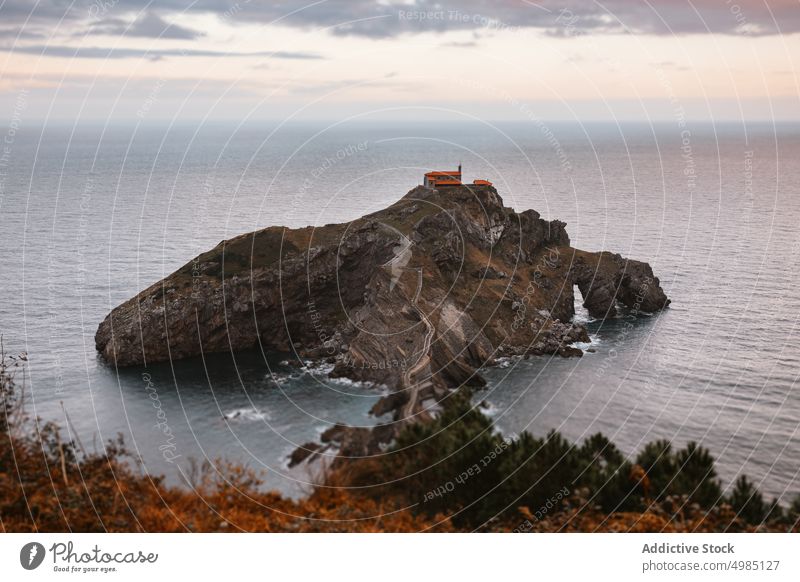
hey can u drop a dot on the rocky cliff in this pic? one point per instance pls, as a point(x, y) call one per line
point(416, 296)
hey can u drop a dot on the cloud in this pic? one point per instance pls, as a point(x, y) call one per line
point(297, 87)
point(134, 87)
point(18, 33)
point(149, 25)
point(670, 65)
point(151, 54)
point(461, 44)
point(392, 18)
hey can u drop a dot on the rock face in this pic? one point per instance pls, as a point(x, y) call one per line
point(417, 296)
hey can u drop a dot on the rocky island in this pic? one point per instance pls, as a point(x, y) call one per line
point(416, 297)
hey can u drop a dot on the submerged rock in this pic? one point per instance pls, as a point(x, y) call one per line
point(303, 453)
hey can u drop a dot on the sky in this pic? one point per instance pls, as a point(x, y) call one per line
point(640, 60)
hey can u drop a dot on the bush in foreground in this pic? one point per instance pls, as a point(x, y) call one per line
point(459, 466)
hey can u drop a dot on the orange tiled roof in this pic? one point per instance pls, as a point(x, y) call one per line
point(456, 173)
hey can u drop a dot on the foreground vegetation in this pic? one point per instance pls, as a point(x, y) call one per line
point(550, 484)
point(453, 474)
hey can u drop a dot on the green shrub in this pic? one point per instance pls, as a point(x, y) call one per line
point(747, 501)
point(457, 465)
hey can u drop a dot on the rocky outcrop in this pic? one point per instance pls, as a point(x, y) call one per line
point(417, 297)
point(605, 279)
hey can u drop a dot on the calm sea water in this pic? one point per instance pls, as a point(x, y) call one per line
point(91, 215)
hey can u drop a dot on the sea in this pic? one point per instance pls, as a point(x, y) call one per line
point(92, 213)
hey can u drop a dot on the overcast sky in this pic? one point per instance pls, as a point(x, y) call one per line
point(331, 59)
